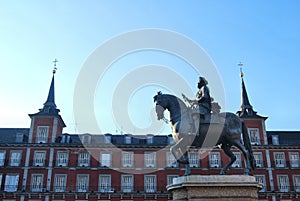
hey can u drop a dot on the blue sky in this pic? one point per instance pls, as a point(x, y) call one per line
point(264, 35)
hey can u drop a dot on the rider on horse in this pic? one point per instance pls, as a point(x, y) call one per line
point(203, 98)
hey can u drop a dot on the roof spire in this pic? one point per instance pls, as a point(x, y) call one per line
point(246, 109)
point(49, 105)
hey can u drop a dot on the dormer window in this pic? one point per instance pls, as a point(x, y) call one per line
point(19, 137)
point(86, 139)
point(65, 138)
point(275, 140)
point(127, 139)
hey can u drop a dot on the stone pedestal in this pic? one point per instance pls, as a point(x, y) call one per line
point(215, 188)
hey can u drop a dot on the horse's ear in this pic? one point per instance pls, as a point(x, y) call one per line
point(159, 93)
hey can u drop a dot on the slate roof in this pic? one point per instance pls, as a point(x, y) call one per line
point(291, 138)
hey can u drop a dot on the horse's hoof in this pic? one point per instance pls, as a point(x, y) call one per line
point(223, 172)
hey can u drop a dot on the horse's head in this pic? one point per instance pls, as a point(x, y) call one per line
point(161, 105)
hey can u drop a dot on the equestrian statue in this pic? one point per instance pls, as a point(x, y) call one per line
point(201, 125)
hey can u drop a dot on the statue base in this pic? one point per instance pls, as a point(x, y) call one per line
point(215, 188)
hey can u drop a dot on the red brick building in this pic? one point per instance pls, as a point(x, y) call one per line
point(41, 163)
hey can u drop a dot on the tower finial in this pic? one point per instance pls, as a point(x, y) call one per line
point(54, 67)
point(241, 69)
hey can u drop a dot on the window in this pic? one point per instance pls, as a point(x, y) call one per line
point(170, 139)
point(127, 183)
point(105, 159)
point(65, 138)
point(42, 134)
point(279, 159)
point(15, 158)
point(150, 183)
point(294, 159)
point(107, 139)
point(0, 179)
point(275, 139)
point(170, 179)
point(238, 162)
point(105, 183)
point(2, 158)
point(19, 137)
point(194, 159)
point(150, 159)
point(296, 179)
point(214, 159)
point(60, 181)
point(62, 158)
point(11, 182)
point(170, 160)
point(82, 183)
point(85, 139)
point(261, 179)
point(283, 183)
point(127, 139)
point(37, 182)
point(39, 158)
point(150, 139)
point(258, 159)
point(254, 135)
point(127, 159)
point(83, 159)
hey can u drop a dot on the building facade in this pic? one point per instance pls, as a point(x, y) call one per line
point(41, 163)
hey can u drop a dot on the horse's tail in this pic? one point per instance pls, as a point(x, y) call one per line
point(248, 146)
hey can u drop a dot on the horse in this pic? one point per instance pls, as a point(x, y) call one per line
point(188, 129)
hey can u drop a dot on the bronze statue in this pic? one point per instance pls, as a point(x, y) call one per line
point(189, 130)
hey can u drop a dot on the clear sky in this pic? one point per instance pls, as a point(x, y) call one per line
point(264, 35)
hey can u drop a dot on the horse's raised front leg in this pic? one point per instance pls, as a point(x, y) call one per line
point(180, 146)
point(228, 152)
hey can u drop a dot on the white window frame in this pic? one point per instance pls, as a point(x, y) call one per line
point(238, 162)
point(11, 182)
point(283, 183)
point(105, 183)
point(127, 183)
point(261, 179)
point(150, 159)
point(127, 159)
point(170, 179)
point(105, 159)
point(2, 157)
point(84, 159)
point(214, 159)
point(85, 139)
point(279, 160)
point(254, 136)
point(127, 139)
point(294, 159)
point(36, 184)
point(82, 183)
point(60, 183)
point(150, 139)
point(258, 159)
point(62, 158)
point(150, 183)
point(39, 158)
point(15, 158)
point(19, 137)
point(42, 134)
point(170, 160)
point(296, 181)
point(194, 159)
point(107, 139)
